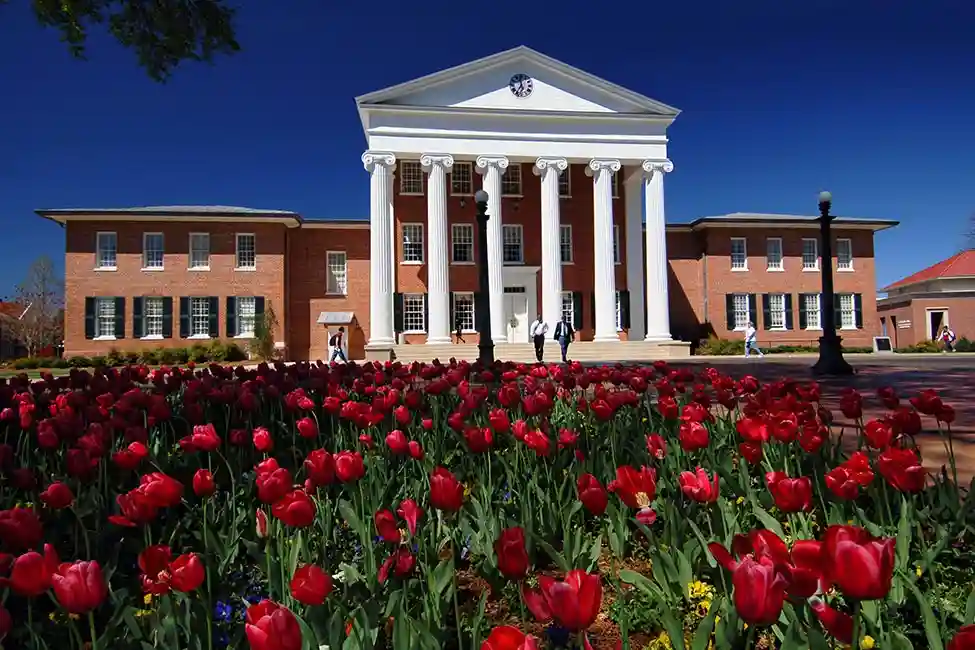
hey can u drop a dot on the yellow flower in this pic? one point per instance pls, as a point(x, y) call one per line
point(467, 490)
point(867, 643)
point(704, 607)
point(142, 613)
point(740, 500)
point(147, 599)
point(917, 570)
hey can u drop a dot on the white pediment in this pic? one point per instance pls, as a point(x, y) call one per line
point(487, 84)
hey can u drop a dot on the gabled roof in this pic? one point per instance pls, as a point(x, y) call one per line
point(960, 265)
point(641, 103)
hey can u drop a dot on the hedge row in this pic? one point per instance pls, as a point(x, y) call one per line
point(732, 347)
point(199, 353)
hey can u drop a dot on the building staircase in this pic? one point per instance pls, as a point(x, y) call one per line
point(583, 351)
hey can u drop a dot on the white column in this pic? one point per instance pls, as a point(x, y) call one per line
point(658, 301)
point(635, 269)
point(438, 284)
point(492, 168)
point(380, 165)
point(549, 169)
point(602, 171)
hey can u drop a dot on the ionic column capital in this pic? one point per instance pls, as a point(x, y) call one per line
point(430, 160)
point(483, 163)
point(371, 159)
point(558, 164)
point(660, 166)
point(597, 165)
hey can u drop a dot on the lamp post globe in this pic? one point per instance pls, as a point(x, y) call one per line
point(481, 196)
point(482, 302)
point(825, 197)
point(831, 361)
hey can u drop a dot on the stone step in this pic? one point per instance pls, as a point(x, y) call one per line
point(584, 351)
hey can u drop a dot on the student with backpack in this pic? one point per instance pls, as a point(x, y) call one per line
point(336, 344)
point(948, 338)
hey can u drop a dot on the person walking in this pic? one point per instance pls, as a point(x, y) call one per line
point(336, 343)
point(751, 340)
point(459, 326)
point(948, 339)
point(537, 331)
point(564, 334)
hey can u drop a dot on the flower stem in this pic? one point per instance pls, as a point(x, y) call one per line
point(856, 626)
point(91, 629)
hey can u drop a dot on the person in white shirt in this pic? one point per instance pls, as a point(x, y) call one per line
point(537, 331)
point(751, 340)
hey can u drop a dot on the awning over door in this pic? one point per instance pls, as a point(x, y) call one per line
point(336, 318)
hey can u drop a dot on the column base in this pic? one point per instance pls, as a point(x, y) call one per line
point(613, 338)
point(658, 338)
point(379, 351)
point(439, 340)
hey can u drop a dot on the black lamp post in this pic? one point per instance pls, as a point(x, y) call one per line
point(831, 361)
point(482, 306)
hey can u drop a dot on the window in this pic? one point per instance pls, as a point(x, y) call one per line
point(410, 177)
point(335, 263)
point(844, 255)
point(414, 312)
point(511, 236)
point(106, 256)
point(776, 311)
point(461, 183)
point(848, 320)
point(413, 243)
point(619, 313)
point(616, 244)
point(463, 315)
point(246, 251)
point(565, 243)
point(810, 255)
point(810, 305)
point(246, 315)
point(569, 309)
point(200, 318)
point(773, 253)
point(152, 250)
point(200, 250)
point(105, 318)
point(741, 310)
point(152, 317)
point(511, 181)
point(565, 183)
point(462, 237)
point(739, 254)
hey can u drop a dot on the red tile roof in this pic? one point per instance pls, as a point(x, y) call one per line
point(960, 265)
point(12, 309)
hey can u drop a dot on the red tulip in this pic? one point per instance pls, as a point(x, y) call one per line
point(261, 518)
point(130, 457)
point(657, 446)
point(592, 495)
point(837, 624)
point(635, 488)
point(751, 452)
point(498, 419)
point(846, 480)
point(271, 626)
point(203, 438)
point(187, 573)
point(154, 564)
point(349, 466)
point(320, 467)
point(307, 428)
point(506, 637)
point(273, 482)
point(512, 555)
point(857, 563)
point(410, 512)
point(79, 586)
point(479, 439)
point(964, 640)
point(7, 624)
point(397, 443)
point(31, 572)
point(57, 496)
point(878, 433)
point(698, 486)
point(263, 441)
point(20, 529)
point(295, 509)
point(136, 509)
point(416, 451)
point(386, 526)
point(203, 485)
point(401, 563)
point(759, 590)
point(693, 436)
point(804, 562)
point(790, 494)
point(161, 491)
point(902, 469)
point(311, 585)
point(574, 603)
point(446, 492)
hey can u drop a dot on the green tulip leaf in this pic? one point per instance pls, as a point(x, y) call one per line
point(706, 628)
point(931, 630)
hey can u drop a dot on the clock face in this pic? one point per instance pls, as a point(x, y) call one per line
point(521, 85)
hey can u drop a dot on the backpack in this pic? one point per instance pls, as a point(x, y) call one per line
point(334, 340)
point(951, 336)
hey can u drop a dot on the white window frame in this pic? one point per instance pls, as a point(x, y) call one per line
point(454, 230)
point(568, 182)
point(617, 257)
point(105, 319)
point(237, 265)
point(469, 190)
point(150, 318)
point(741, 325)
point(851, 311)
point(846, 266)
point(103, 253)
point(199, 313)
point(815, 244)
point(409, 244)
point(818, 311)
point(147, 264)
point(190, 261)
point(240, 317)
point(569, 309)
point(514, 170)
point(410, 313)
point(563, 229)
point(777, 310)
point(414, 176)
point(770, 244)
point(466, 296)
point(336, 280)
point(744, 253)
point(513, 228)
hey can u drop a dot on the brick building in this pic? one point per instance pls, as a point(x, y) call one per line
point(574, 168)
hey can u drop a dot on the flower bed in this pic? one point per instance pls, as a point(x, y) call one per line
point(431, 506)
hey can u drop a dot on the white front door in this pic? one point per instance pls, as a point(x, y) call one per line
point(516, 317)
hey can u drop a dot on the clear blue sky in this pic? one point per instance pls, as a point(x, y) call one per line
point(870, 99)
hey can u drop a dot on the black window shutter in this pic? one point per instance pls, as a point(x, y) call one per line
point(89, 317)
point(137, 323)
point(426, 312)
point(120, 318)
point(184, 318)
point(803, 316)
point(167, 321)
point(788, 311)
point(729, 309)
point(752, 309)
point(453, 313)
point(477, 303)
point(231, 316)
point(214, 317)
point(837, 311)
point(624, 309)
point(858, 309)
point(766, 312)
point(398, 312)
point(577, 310)
point(592, 308)
point(258, 308)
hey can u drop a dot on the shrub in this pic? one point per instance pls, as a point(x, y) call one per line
point(80, 362)
point(149, 357)
point(715, 346)
point(264, 328)
point(964, 345)
point(924, 347)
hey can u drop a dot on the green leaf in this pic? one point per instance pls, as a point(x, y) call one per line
point(704, 544)
point(706, 628)
point(768, 520)
point(931, 631)
point(442, 576)
point(816, 639)
point(900, 642)
point(903, 536)
point(791, 641)
point(970, 608)
point(348, 513)
point(594, 552)
point(552, 553)
point(674, 630)
point(641, 582)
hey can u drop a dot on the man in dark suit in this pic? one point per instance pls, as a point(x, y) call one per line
point(564, 334)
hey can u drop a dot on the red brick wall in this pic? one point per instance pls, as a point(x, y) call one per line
point(961, 318)
point(176, 280)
